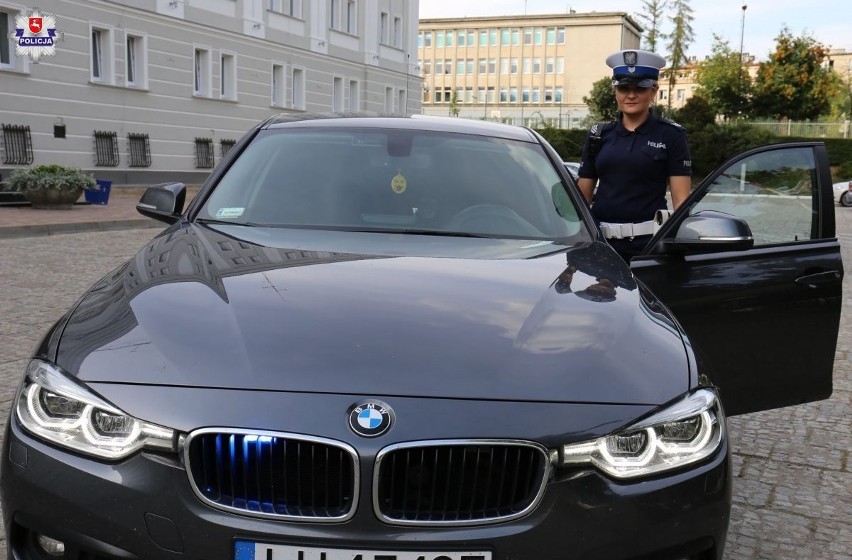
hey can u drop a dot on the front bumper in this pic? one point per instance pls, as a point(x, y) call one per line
point(143, 507)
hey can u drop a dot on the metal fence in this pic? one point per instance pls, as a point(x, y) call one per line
point(837, 129)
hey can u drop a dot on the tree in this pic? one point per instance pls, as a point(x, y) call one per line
point(652, 18)
point(696, 114)
point(454, 105)
point(679, 41)
point(723, 82)
point(601, 101)
point(794, 84)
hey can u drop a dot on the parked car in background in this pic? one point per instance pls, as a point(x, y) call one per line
point(843, 193)
point(573, 168)
point(406, 338)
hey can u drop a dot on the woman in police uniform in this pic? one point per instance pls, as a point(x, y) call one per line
point(634, 159)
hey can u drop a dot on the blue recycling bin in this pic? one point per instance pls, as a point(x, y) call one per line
point(99, 195)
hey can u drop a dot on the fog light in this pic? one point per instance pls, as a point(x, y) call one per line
point(51, 546)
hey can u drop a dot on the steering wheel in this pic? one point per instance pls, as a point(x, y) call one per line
point(491, 219)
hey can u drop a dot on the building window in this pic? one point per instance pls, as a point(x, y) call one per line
point(225, 145)
point(536, 95)
point(337, 95)
point(295, 8)
point(513, 95)
point(136, 60)
point(106, 148)
point(427, 39)
point(397, 32)
point(450, 40)
point(516, 39)
point(277, 85)
point(548, 65)
point(526, 66)
point(389, 100)
point(559, 95)
point(492, 65)
point(504, 36)
point(351, 17)
point(335, 14)
point(560, 65)
point(17, 145)
point(354, 96)
point(204, 153)
point(492, 37)
point(548, 95)
point(448, 66)
point(525, 95)
point(228, 76)
point(560, 35)
point(537, 36)
point(489, 95)
point(6, 45)
point(514, 66)
point(528, 36)
point(202, 82)
point(459, 67)
point(100, 45)
point(483, 38)
point(298, 81)
point(139, 150)
point(504, 65)
point(383, 29)
point(504, 96)
point(427, 67)
point(536, 69)
point(402, 101)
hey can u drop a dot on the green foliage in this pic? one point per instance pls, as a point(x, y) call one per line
point(568, 143)
point(844, 171)
point(50, 176)
point(651, 19)
point(723, 81)
point(793, 83)
point(601, 101)
point(679, 40)
point(696, 114)
point(712, 145)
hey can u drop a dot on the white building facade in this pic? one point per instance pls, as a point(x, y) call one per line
point(146, 91)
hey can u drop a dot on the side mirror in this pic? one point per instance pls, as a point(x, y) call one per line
point(710, 231)
point(163, 202)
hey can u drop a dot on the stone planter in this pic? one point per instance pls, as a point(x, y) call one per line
point(53, 199)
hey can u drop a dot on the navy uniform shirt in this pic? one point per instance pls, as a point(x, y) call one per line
point(633, 169)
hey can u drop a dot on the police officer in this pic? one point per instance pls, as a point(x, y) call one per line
point(635, 158)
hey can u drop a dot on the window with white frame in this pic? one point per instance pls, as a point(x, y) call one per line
point(354, 96)
point(402, 101)
point(295, 7)
point(337, 95)
point(136, 59)
point(298, 81)
point(275, 6)
point(388, 100)
point(102, 55)
point(202, 63)
point(278, 86)
point(335, 14)
point(6, 45)
point(384, 22)
point(228, 75)
point(351, 17)
point(397, 32)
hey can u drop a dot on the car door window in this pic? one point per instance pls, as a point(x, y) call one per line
point(772, 191)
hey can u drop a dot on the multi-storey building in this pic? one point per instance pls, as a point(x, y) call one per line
point(158, 90)
point(529, 69)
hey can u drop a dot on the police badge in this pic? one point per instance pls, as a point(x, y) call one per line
point(630, 58)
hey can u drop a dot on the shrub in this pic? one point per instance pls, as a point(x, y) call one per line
point(50, 176)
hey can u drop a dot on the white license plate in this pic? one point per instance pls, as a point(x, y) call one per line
point(245, 550)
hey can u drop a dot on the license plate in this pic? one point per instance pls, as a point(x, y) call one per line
point(246, 550)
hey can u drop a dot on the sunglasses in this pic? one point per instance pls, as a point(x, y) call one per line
point(627, 88)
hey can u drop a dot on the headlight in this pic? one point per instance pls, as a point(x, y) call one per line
point(54, 407)
point(681, 434)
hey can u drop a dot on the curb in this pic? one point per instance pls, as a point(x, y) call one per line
point(44, 230)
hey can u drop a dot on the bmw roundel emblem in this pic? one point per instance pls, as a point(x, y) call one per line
point(370, 418)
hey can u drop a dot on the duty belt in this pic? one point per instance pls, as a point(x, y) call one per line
point(622, 231)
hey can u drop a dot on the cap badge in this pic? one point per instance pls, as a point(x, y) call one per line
point(630, 58)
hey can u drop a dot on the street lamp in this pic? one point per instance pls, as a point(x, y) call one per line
point(740, 73)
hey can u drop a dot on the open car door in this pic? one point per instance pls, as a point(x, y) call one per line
point(751, 268)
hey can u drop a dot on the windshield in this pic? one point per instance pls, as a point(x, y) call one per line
point(405, 181)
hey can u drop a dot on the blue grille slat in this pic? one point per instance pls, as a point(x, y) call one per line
point(273, 475)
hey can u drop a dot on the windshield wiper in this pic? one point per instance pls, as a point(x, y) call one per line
point(213, 221)
point(417, 231)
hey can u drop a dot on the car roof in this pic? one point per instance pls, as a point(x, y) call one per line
point(401, 122)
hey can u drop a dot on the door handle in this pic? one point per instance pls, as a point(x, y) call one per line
point(813, 280)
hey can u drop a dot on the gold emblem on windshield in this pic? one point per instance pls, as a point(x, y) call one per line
point(398, 183)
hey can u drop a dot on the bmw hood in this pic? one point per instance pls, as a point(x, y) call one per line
point(196, 308)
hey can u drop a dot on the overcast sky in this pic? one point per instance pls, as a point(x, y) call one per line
point(828, 21)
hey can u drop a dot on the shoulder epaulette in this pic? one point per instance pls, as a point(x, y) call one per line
point(671, 122)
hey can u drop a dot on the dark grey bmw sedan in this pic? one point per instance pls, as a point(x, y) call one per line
point(406, 339)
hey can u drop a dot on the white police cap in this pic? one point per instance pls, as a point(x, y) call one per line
point(635, 67)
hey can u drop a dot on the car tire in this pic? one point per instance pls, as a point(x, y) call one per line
point(846, 199)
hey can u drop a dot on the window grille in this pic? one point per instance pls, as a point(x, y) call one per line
point(106, 148)
point(226, 145)
point(139, 149)
point(17, 144)
point(203, 153)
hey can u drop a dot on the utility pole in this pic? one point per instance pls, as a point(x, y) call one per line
point(740, 73)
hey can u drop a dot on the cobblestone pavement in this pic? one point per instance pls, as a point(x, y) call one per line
point(792, 489)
